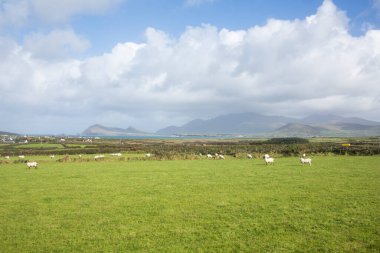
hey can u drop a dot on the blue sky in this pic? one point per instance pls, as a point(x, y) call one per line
point(150, 64)
point(128, 20)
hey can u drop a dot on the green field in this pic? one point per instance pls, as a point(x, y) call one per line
point(203, 205)
point(40, 145)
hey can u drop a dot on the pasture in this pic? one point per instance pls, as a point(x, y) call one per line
point(232, 205)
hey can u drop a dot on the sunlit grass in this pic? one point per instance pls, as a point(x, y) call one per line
point(40, 145)
point(202, 205)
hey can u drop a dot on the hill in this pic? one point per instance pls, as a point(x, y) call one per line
point(99, 130)
point(299, 130)
point(241, 123)
point(278, 126)
point(7, 133)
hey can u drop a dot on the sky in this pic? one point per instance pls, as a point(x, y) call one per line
point(66, 65)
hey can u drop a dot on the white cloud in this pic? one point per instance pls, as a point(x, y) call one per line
point(295, 67)
point(19, 12)
point(59, 11)
point(13, 13)
point(57, 44)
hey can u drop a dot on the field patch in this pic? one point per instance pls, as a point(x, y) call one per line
point(42, 146)
point(201, 205)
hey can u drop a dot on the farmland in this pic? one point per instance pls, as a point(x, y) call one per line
point(185, 205)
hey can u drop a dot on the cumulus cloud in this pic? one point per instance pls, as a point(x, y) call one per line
point(14, 13)
point(288, 67)
point(57, 44)
point(18, 12)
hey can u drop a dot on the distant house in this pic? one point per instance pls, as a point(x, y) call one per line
point(8, 140)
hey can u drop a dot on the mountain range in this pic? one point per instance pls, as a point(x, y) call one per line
point(7, 133)
point(254, 124)
point(99, 130)
point(264, 125)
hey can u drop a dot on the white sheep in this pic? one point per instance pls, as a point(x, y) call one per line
point(209, 156)
point(249, 156)
point(221, 157)
point(52, 156)
point(32, 164)
point(97, 157)
point(305, 160)
point(148, 155)
point(21, 156)
point(7, 157)
point(116, 154)
point(268, 159)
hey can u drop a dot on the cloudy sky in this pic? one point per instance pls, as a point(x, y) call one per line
point(65, 65)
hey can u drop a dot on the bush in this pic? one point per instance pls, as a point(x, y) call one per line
point(291, 140)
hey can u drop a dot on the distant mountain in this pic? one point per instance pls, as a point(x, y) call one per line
point(240, 123)
point(7, 133)
point(99, 130)
point(298, 130)
point(327, 130)
point(263, 125)
point(321, 119)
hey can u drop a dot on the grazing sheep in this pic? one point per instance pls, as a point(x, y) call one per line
point(209, 156)
point(116, 154)
point(80, 156)
point(249, 156)
point(221, 157)
point(52, 156)
point(32, 164)
point(98, 157)
point(21, 156)
point(7, 157)
point(148, 155)
point(305, 160)
point(268, 159)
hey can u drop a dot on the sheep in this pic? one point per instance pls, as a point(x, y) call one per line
point(116, 154)
point(80, 156)
point(305, 160)
point(97, 157)
point(7, 157)
point(21, 156)
point(52, 156)
point(209, 156)
point(221, 157)
point(249, 156)
point(32, 164)
point(268, 159)
point(148, 155)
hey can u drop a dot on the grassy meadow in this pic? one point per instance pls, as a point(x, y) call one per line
point(232, 205)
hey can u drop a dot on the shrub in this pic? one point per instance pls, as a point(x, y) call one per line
point(290, 140)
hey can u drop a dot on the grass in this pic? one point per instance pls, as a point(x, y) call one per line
point(41, 145)
point(186, 206)
point(78, 145)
